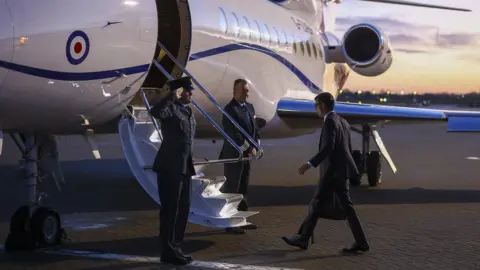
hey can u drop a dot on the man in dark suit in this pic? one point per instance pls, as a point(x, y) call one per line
point(336, 167)
point(238, 173)
point(174, 167)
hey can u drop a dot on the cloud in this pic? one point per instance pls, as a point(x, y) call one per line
point(402, 39)
point(387, 24)
point(410, 51)
point(408, 34)
point(470, 57)
point(458, 39)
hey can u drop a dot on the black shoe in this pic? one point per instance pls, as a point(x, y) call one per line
point(174, 259)
point(356, 248)
point(180, 253)
point(297, 241)
point(249, 227)
point(235, 230)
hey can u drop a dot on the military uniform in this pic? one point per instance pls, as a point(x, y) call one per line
point(174, 167)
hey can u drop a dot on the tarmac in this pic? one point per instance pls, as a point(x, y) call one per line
point(427, 216)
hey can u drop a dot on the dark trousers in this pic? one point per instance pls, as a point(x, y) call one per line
point(174, 192)
point(341, 189)
point(238, 175)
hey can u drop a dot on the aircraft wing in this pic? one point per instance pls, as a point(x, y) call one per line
point(458, 121)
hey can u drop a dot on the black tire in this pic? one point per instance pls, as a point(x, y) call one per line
point(374, 168)
point(46, 227)
point(357, 157)
point(20, 236)
point(18, 222)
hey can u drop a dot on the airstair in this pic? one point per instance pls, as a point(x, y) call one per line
point(141, 137)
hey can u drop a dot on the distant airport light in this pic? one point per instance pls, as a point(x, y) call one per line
point(414, 92)
point(374, 92)
point(401, 92)
point(359, 92)
point(388, 92)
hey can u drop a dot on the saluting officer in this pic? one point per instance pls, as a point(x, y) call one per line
point(174, 167)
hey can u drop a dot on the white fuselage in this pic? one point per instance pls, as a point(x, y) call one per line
point(65, 61)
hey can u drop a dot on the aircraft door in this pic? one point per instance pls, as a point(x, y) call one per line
point(6, 39)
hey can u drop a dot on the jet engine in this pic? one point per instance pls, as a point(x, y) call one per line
point(367, 50)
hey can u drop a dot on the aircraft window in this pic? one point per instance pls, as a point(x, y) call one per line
point(255, 35)
point(223, 21)
point(245, 28)
point(309, 51)
point(302, 47)
point(235, 28)
point(314, 48)
point(266, 36)
point(282, 38)
point(290, 40)
point(320, 54)
point(275, 36)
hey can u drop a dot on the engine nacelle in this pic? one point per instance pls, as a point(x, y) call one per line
point(367, 50)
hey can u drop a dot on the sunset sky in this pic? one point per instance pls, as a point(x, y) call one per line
point(434, 50)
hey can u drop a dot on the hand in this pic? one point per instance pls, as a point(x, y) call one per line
point(305, 167)
point(253, 152)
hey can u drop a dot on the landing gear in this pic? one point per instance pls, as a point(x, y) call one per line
point(367, 161)
point(32, 225)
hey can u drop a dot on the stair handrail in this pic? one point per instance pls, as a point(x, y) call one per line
point(230, 140)
point(145, 100)
point(214, 101)
point(239, 150)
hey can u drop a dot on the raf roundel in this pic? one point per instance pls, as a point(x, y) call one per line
point(78, 47)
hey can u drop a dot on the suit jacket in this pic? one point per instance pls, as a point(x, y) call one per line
point(245, 117)
point(335, 151)
point(178, 129)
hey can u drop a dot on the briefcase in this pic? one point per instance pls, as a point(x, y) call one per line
point(329, 207)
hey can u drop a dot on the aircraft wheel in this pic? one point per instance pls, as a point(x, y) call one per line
point(374, 168)
point(46, 227)
point(357, 157)
point(20, 236)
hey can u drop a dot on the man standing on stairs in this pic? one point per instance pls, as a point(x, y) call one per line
point(238, 173)
point(174, 167)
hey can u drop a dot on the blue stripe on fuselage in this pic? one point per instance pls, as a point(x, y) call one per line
point(246, 46)
point(98, 75)
point(72, 76)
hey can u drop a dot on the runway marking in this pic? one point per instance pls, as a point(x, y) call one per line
point(147, 259)
point(472, 158)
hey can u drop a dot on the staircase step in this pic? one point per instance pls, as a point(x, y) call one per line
point(219, 179)
point(220, 222)
point(228, 197)
point(210, 187)
point(244, 214)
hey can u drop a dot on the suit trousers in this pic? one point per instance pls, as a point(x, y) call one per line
point(238, 176)
point(341, 189)
point(174, 192)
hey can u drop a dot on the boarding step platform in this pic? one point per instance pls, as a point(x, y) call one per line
point(209, 206)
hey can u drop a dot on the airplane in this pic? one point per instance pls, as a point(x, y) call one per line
point(93, 67)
